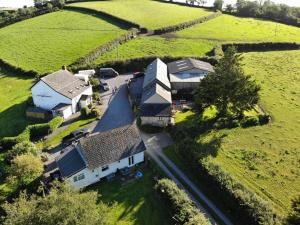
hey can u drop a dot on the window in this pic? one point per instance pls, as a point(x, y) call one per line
point(104, 168)
point(160, 118)
point(78, 177)
point(131, 160)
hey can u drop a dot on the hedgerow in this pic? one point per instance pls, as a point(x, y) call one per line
point(250, 208)
point(184, 210)
point(185, 25)
point(32, 132)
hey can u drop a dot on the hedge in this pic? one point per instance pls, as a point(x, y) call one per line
point(248, 207)
point(25, 17)
point(10, 68)
point(185, 25)
point(119, 20)
point(94, 54)
point(137, 63)
point(184, 210)
point(32, 132)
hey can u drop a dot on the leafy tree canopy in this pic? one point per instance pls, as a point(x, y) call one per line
point(62, 206)
point(228, 88)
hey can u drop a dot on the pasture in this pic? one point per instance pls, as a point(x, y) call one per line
point(266, 158)
point(15, 90)
point(226, 28)
point(47, 42)
point(157, 46)
point(147, 13)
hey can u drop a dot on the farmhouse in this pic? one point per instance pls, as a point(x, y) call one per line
point(100, 155)
point(156, 102)
point(61, 93)
point(186, 74)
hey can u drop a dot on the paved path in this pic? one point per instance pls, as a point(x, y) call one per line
point(155, 144)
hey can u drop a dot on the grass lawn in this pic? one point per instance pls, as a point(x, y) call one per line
point(15, 90)
point(266, 158)
point(135, 202)
point(56, 139)
point(47, 42)
point(157, 46)
point(228, 28)
point(147, 13)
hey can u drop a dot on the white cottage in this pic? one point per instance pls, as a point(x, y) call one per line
point(100, 155)
point(156, 102)
point(186, 74)
point(62, 93)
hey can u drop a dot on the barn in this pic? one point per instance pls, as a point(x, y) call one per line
point(186, 74)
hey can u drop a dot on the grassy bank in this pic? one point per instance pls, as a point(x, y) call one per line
point(147, 13)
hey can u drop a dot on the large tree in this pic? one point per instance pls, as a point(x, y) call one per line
point(25, 169)
point(228, 88)
point(62, 206)
point(294, 216)
point(218, 5)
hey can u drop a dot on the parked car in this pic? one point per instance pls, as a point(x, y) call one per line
point(104, 85)
point(75, 136)
point(138, 74)
point(108, 72)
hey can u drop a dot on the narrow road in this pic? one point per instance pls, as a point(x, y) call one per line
point(155, 144)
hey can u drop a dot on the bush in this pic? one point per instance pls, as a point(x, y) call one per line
point(39, 130)
point(264, 119)
point(95, 83)
point(182, 207)
point(96, 96)
point(95, 112)
point(55, 123)
point(249, 121)
point(20, 149)
point(85, 112)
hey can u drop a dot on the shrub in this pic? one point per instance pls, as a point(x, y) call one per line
point(20, 149)
point(96, 96)
point(95, 112)
point(95, 83)
point(39, 130)
point(55, 123)
point(249, 121)
point(182, 207)
point(85, 112)
point(264, 119)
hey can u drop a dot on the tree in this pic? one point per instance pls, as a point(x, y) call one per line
point(228, 88)
point(20, 149)
point(218, 5)
point(294, 216)
point(62, 205)
point(229, 8)
point(26, 168)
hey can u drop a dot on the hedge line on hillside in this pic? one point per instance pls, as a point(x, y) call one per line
point(244, 204)
point(119, 20)
point(32, 132)
point(94, 54)
point(14, 69)
point(136, 64)
point(25, 17)
point(185, 25)
point(184, 210)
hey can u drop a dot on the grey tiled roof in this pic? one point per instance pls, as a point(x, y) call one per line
point(188, 64)
point(156, 89)
point(65, 83)
point(157, 72)
point(111, 146)
point(156, 110)
point(70, 162)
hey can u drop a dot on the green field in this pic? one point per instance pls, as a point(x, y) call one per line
point(14, 92)
point(266, 158)
point(47, 42)
point(147, 13)
point(157, 46)
point(227, 28)
point(135, 202)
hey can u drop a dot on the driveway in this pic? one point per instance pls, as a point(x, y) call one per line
point(116, 106)
point(155, 144)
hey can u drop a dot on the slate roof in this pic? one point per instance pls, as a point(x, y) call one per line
point(157, 71)
point(65, 83)
point(188, 64)
point(70, 162)
point(107, 147)
point(156, 110)
point(154, 89)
